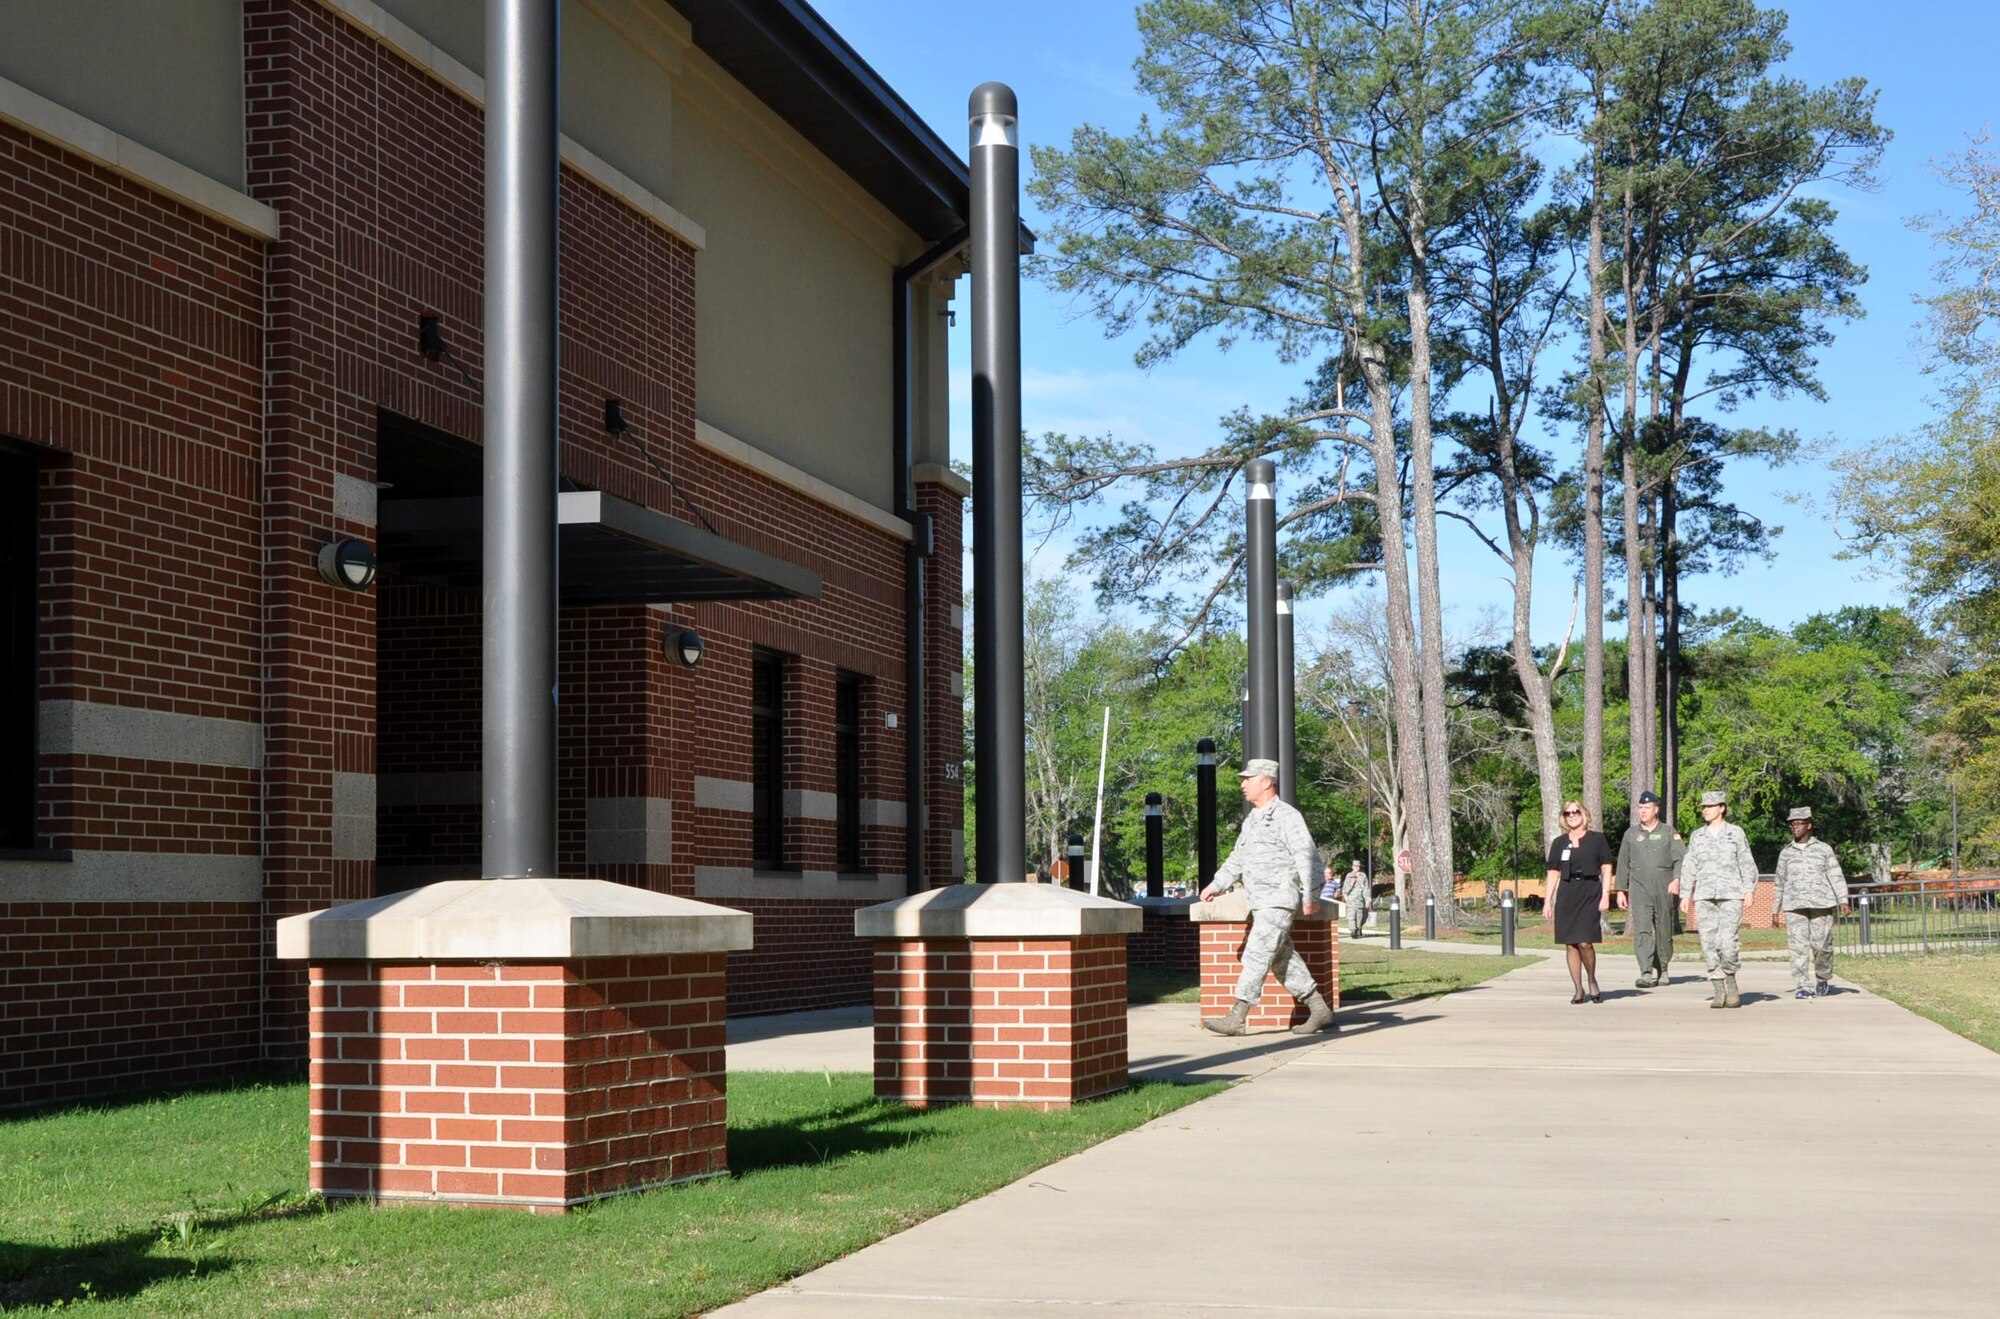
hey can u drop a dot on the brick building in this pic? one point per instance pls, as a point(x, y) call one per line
point(222, 225)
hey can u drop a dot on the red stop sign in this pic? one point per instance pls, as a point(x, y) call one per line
point(1403, 861)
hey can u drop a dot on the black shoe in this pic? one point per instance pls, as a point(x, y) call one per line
point(1596, 997)
point(1577, 997)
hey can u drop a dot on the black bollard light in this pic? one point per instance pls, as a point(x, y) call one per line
point(1867, 931)
point(1430, 917)
point(1507, 925)
point(1288, 735)
point(1204, 812)
point(1156, 846)
point(1260, 607)
point(1073, 853)
point(1395, 923)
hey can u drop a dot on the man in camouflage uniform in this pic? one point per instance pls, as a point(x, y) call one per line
point(1357, 892)
point(1810, 887)
point(1717, 874)
point(1275, 861)
point(1649, 866)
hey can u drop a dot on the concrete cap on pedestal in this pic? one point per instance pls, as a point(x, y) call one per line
point(997, 911)
point(513, 920)
point(1233, 906)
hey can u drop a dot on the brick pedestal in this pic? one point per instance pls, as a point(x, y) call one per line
point(1225, 924)
point(533, 1044)
point(999, 995)
point(1168, 941)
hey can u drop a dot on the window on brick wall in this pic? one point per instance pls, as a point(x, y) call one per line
point(767, 761)
point(19, 483)
point(847, 771)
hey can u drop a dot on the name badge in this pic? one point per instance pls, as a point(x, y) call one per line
point(1565, 855)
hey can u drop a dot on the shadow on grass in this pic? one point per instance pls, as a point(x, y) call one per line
point(867, 1127)
point(107, 1270)
point(246, 1078)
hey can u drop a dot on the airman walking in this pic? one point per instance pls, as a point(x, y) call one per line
point(1717, 874)
point(1648, 881)
point(1810, 889)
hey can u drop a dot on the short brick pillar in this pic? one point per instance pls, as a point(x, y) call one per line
point(527, 1043)
point(1168, 941)
point(999, 995)
point(1225, 924)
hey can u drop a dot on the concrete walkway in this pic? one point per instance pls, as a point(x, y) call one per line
point(1502, 1152)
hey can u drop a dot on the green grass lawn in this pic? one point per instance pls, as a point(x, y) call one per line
point(1959, 992)
point(1368, 973)
point(195, 1204)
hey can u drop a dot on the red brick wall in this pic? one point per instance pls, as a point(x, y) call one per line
point(96, 996)
point(1038, 1023)
point(539, 1086)
point(205, 388)
point(1168, 940)
point(1222, 964)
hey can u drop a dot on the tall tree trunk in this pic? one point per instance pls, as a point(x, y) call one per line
point(1435, 858)
point(1670, 611)
point(1639, 718)
point(1593, 513)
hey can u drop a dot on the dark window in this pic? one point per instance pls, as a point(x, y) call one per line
point(19, 483)
point(767, 761)
point(847, 770)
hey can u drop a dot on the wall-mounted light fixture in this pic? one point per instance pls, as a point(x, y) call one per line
point(348, 564)
point(685, 645)
point(430, 342)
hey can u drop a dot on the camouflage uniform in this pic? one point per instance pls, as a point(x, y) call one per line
point(1810, 890)
point(1717, 874)
point(1648, 861)
point(1274, 860)
point(1356, 893)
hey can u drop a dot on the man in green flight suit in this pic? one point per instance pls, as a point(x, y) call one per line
point(1649, 880)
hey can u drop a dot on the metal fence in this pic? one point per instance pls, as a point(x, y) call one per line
point(1928, 917)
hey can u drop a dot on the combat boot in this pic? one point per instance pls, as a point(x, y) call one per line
point(1233, 1024)
point(1318, 1015)
point(1730, 998)
point(1716, 985)
point(1824, 988)
point(1647, 979)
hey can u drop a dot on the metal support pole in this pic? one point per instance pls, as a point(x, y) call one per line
point(1288, 736)
point(1000, 729)
point(1430, 917)
point(1073, 875)
point(1867, 931)
point(1507, 925)
point(1156, 846)
point(1260, 607)
point(518, 631)
point(1395, 922)
point(1204, 811)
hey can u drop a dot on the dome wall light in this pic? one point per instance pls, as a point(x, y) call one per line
point(348, 564)
point(685, 645)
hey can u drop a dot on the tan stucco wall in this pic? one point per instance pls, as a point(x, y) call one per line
point(166, 73)
point(618, 58)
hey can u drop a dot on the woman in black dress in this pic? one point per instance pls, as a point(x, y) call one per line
point(1579, 893)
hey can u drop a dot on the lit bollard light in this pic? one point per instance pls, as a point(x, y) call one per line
point(1073, 853)
point(1430, 917)
point(1507, 924)
point(1395, 922)
point(1156, 846)
point(1867, 932)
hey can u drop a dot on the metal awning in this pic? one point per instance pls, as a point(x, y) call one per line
point(611, 551)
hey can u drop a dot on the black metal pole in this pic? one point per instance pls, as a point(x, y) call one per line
point(1506, 924)
point(1288, 732)
point(1156, 846)
point(1395, 922)
point(518, 629)
point(1867, 932)
point(1260, 607)
point(1430, 917)
point(1073, 874)
point(1000, 729)
point(1204, 811)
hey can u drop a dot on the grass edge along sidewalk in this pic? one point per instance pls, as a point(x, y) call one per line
point(1958, 991)
point(192, 1203)
point(1368, 974)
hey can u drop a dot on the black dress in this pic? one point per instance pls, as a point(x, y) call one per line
point(1581, 865)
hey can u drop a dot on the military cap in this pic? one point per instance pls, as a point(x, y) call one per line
point(1799, 813)
point(1254, 768)
point(1715, 798)
point(1649, 796)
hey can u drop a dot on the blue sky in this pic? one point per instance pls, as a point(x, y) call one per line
point(1071, 64)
